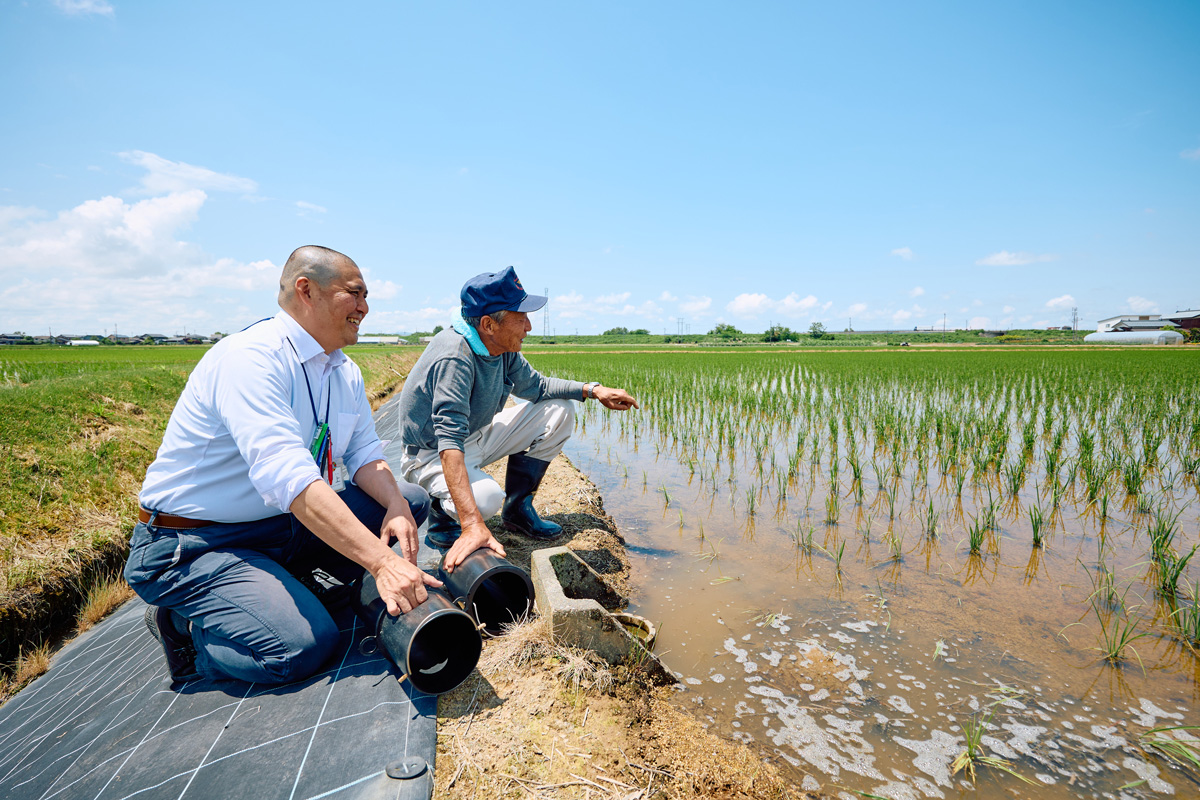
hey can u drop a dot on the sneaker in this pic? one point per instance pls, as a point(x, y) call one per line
point(178, 647)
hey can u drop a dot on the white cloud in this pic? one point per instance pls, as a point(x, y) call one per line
point(383, 290)
point(904, 253)
point(574, 305)
point(979, 323)
point(569, 306)
point(1007, 259)
point(164, 176)
point(85, 7)
point(107, 263)
point(303, 206)
point(857, 308)
point(916, 291)
point(1008, 309)
point(901, 315)
point(106, 237)
point(1140, 305)
point(1191, 155)
point(750, 305)
point(757, 304)
point(1065, 301)
point(667, 297)
point(794, 305)
point(695, 305)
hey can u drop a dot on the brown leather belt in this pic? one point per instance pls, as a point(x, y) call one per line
point(170, 520)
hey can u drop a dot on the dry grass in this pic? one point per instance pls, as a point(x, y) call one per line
point(102, 600)
point(29, 666)
point(524, 643)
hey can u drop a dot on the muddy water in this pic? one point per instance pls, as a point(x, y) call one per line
point(863, 673)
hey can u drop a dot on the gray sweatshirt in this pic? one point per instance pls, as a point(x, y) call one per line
point(451, 392)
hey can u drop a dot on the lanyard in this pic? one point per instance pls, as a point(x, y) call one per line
point(322, 444)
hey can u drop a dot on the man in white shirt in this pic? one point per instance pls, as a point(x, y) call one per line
point(270, 467)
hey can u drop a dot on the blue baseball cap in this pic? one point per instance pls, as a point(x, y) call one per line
point(497, 291)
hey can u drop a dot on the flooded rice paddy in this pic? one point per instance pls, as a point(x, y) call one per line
point(912, 575)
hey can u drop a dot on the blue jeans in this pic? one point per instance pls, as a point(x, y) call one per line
point(251, 619)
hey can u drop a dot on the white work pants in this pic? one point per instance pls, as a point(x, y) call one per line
point(539, 428)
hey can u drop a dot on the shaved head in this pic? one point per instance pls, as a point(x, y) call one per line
point(319, 264)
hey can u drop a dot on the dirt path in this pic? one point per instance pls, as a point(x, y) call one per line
point(537, 720)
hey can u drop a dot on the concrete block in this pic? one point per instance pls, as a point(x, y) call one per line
point(570, 593)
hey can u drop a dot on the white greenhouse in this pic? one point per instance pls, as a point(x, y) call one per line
point(1135, 337)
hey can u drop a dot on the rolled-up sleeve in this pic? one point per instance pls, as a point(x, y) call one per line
point(252, 396)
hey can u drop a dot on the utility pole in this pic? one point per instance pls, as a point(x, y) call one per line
point(546, 316)
point(1074, 322)
point(943, 327)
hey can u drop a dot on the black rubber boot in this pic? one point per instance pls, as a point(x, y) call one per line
point(522, 480)
point(443, 529)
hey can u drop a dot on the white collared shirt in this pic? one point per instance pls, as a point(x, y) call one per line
point(237, 446)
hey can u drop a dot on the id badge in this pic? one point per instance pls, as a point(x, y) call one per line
point(339, 478)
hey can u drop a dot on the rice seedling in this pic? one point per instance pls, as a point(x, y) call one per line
point(1185, 619)
point(1162, 530)
point(713, 553)
point(1182, 746)
point(976, 533)
point(972, 756)
point(832, 509)
point(1131, 473)
point(1169, 570)
point(804, 537)
point(1117, 635)
point(1036, 524)
point(931, 521)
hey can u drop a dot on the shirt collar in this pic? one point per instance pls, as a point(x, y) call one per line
point(306, 346)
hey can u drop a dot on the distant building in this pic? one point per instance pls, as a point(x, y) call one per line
point(1127, 322)
point(83, 343)
point(1143, 325)
point(379, 340)
point(1186, 319)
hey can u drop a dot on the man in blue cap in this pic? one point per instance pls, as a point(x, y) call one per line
point(453, 420)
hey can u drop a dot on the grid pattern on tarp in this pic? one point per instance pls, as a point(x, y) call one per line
point(104, 722)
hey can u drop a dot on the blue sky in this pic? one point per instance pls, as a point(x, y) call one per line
point(652, 164)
